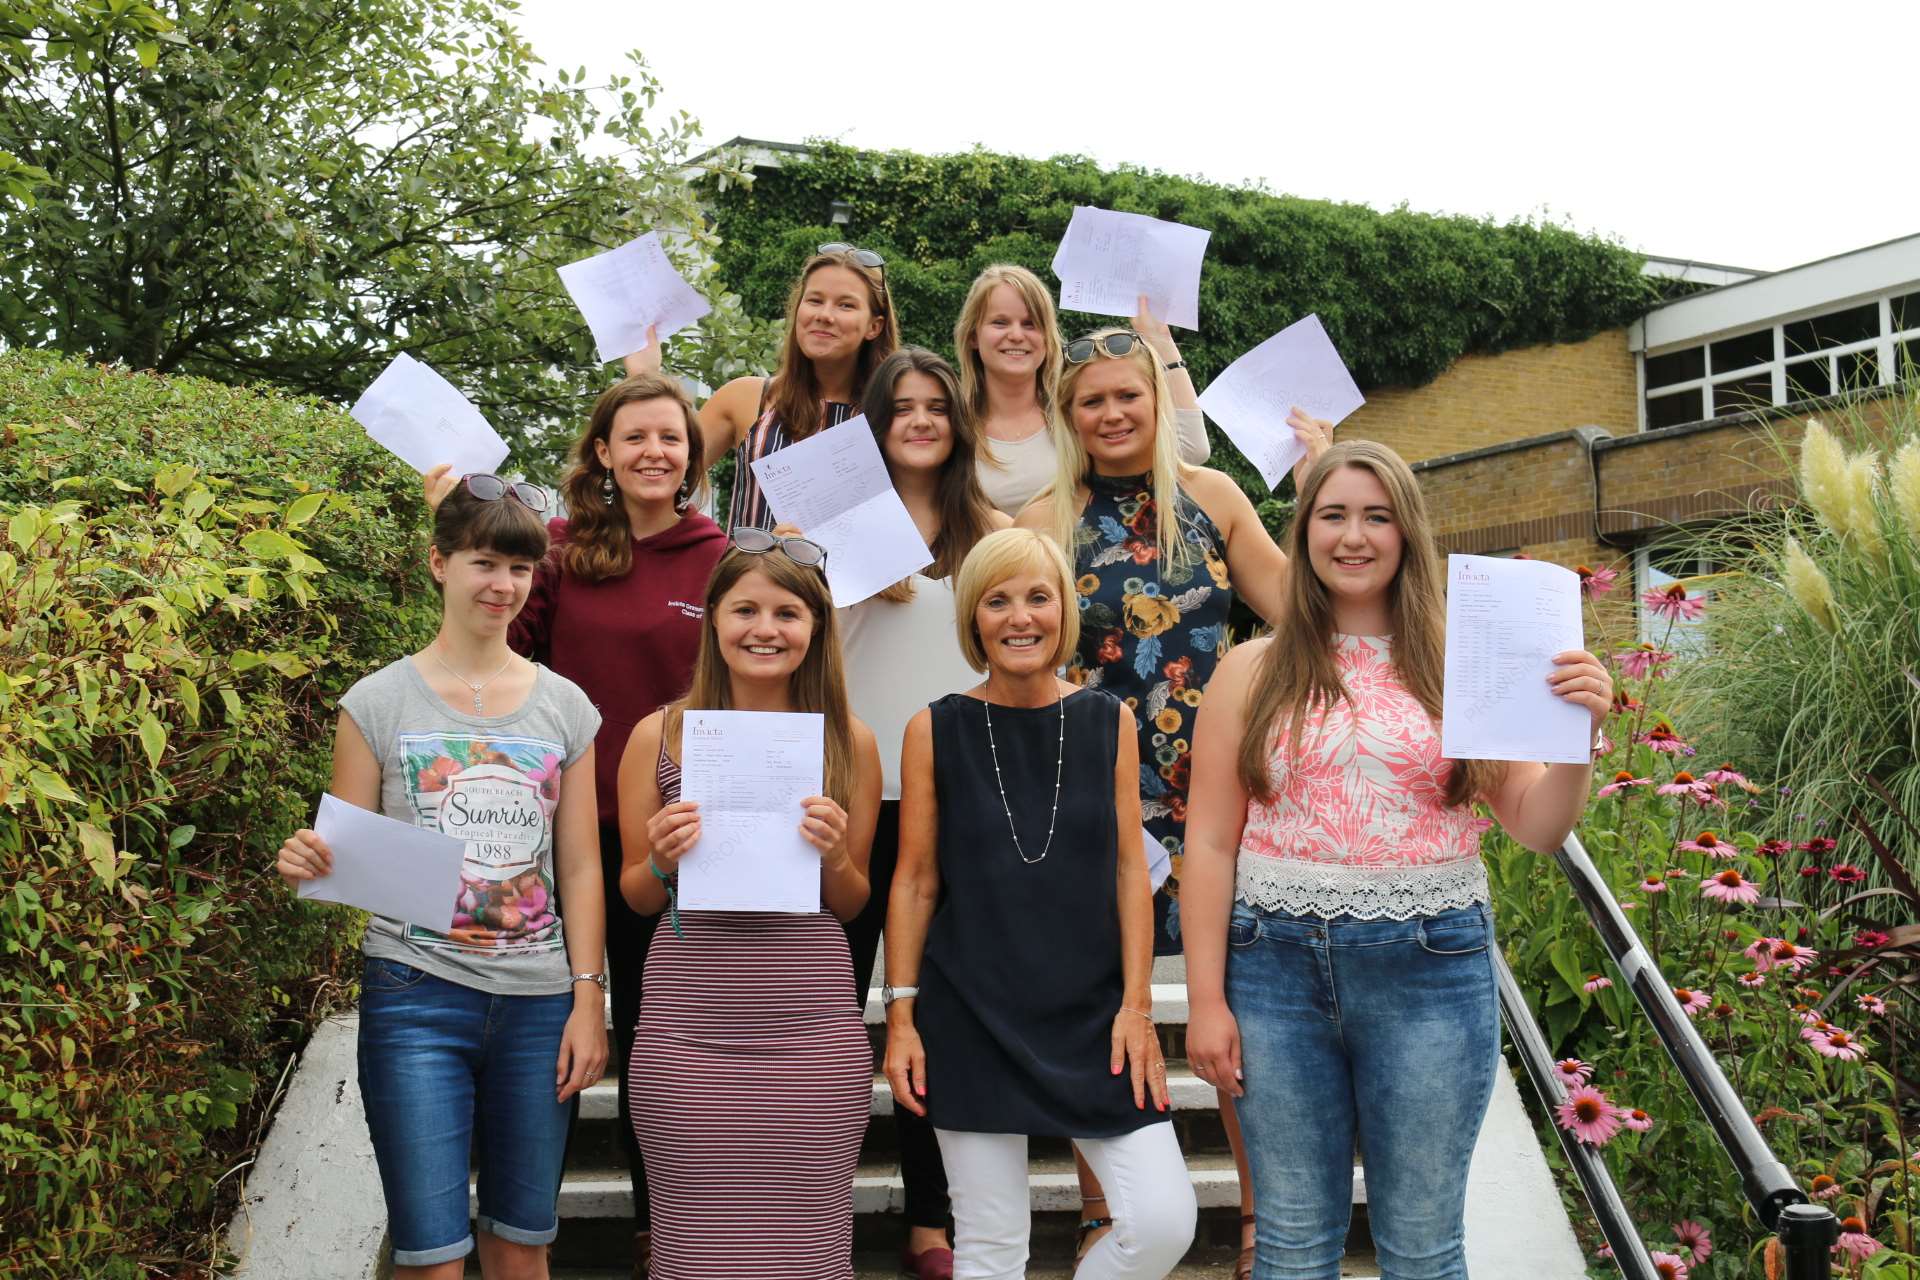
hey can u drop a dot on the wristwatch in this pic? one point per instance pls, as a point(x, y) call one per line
point(597, 979)
point(1176, 364)
point(889, 994)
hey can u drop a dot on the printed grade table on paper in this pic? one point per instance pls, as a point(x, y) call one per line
point(623, 291)
point(1252, 396)
point(1107, 260)
point(748, 771)
point(1506, 619)
point(835, 489)
point(423, 420)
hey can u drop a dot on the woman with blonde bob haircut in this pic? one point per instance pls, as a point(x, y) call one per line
point(1007, 343)
point(1019, 997)
point(751, 1073)
point(1332, 848)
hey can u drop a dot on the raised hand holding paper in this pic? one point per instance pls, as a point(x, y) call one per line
point(1107, 260)
point(748, 771)
point(623, 291)
point(425, 421)
point(1506, 619)
point(834, 488)
point(393, 869)
point(1297, 367)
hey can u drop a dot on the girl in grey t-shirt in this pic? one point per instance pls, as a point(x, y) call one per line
point(495, 1008)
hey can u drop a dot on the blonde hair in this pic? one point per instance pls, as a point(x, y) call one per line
point(1072, 466)
point(1298, 673)
point(819, 684)
point(973, 312)
point(993, 560)
point(794, 392)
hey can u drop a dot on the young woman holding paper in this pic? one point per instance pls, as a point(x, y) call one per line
point(840, 326)
point(494, 1024)
point(1019, 1002)
point(1008, 343)
point(1159, 548)
point(751, 1073)
point(1334, 904)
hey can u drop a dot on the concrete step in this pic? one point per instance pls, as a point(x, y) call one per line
point(882, 1267)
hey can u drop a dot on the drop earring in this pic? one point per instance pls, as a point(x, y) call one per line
point(606, 488)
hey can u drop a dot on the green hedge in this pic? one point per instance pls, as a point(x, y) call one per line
point(190, 574)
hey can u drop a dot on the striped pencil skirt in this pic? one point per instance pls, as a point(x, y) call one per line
point(751, 1077)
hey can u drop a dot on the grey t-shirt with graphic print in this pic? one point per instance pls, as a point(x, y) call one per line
point(494, 782)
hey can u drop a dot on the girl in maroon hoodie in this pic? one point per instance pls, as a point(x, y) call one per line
point(617, 608)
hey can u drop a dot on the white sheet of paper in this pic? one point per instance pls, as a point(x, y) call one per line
point(1505, 621)
point(749, 771)
point(622, 291)
point(425, 421)
point(1159, 861)
point(1108, 259)
point(834, 487)
point(393, 869)
point(1252, 396)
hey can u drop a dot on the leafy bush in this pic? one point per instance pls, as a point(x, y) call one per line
point(190, 574)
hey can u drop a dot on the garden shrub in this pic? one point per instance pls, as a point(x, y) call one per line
point(190, 574)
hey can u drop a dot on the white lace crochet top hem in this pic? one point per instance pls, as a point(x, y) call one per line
point(1400, 891)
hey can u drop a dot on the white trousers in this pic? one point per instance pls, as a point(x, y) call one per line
point(1148, 1191)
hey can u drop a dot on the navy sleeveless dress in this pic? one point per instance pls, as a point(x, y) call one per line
point(1021, 977)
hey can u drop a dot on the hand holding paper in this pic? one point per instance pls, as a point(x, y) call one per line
point(748, 772)
point(425, 421)
point(624, 292)
point(393, 869)
point(1506, 620)
point(1296, 368)
point(1107, 260)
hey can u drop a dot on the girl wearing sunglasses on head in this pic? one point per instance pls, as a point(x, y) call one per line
point(840, 326)
point(1007, 341)
point(751, 1072)
point(474, 1041)
point(616, 607)
point(1159, 548)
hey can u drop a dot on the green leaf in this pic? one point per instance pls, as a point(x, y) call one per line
point(24, 528)
point(153, 736)
point(97, 846)
point(171, 479)
point(149, 52)
point(189, 699)
point(269, 544)
point(52, 786)
point(304, 509)
point(181, 835)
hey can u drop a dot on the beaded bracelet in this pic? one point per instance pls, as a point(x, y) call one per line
point(673, 897)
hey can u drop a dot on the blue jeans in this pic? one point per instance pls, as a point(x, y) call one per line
point(1387, 1031)
point(440, 1062)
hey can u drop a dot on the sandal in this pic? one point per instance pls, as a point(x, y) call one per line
point(642, 1254)
point(1243, 1269)
point(1082, 1234)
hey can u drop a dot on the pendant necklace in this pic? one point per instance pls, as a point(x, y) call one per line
point(1059, 761)
point(477, 708)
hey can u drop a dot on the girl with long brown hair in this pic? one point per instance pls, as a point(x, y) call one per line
point(751, 1072)
point(1335, 910)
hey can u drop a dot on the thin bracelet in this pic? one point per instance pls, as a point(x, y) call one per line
point(673, 897)
point(1142, 1012)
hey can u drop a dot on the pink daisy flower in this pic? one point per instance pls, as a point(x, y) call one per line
point(1685, 784)
point(1690, 1000)
point(1655, 883)
point(1752, 981)
point(1694, 1238)
point(1819, 846)
point(1595, 583)
point(1846, 873)
point(1588, 1115)
point(1871, 1004)
point(1572, 1072)
point(1669, 1267)
point(1793, 956)
point(1672, 601)
point(1727, 775)
point(1835, 1043)
point(1772, 848)
point(1823, 1187)
point(1868, 939)
point(1637, 1120)
point(1710, 844)
point(1636, 663)
point(1854, 1240)
point(1663, 739)
point(1598, 982)
point(1728, 885)
point(1604, 1253)
point(1624, 781)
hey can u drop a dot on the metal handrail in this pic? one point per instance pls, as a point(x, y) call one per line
point(1806, 1230)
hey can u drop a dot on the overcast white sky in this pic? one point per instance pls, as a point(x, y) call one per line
point(1759, 134)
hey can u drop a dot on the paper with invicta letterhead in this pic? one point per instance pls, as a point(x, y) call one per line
point(748, 771)
point(1506, 619)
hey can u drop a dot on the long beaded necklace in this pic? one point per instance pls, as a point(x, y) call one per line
point(477, 708)
point(1058, 763)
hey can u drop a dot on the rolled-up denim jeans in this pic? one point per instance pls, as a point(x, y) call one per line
point(1384, 1032)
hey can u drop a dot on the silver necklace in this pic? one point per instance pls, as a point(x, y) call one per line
point(1059, 761)
point(477, 708)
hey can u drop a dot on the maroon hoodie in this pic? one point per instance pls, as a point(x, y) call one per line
point(630, 641)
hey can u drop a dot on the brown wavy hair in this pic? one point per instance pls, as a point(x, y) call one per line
point(599, 537)
point(1297, 672)
point(820, 682)
point(794, 392)
point(964, 509)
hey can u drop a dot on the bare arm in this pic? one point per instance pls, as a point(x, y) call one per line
point(1255, 564)
point(727, 416)
point(846, 843)
point(916, 887)
point(1539, 804)
point(356, 779)
point(1134, 1043)
point(583, 1044)
point(642, 818)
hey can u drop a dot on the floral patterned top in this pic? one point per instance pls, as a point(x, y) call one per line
point(1359, 824)
point(1151, 635)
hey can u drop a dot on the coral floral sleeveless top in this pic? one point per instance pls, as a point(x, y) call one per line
point(1359, 824)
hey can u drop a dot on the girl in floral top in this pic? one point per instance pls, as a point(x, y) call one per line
point(1335, 912)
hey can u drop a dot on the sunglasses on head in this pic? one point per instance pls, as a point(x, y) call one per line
point(1117, 345)
point(491, 488)
point(865, 257)
point(758, 542)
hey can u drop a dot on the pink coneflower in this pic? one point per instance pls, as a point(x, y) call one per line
point(1595, 583)
point(1690, 1000)
point(1597, 982)
point(1668, 1266)
point(1809, 873)
point(1772, 848)
point(1835, 1043)
point(1679, 873)
point(1624, 781)
point(1604, 1253)
point(1672, 601)
point(1727, 775)
point(1871, 1004)
point(1752, 981)
point(1588, 1115)
point(1655, 883)
point(1685, 784)
point(1729, 885)
point(1868, 939)
point(1819, 846)
point(1635, 663)
point(1711, 844)
point(1855, 1241)
point(1663, 739)
point(1823, 1187)
point(1637, 1120)
point(1846, 873)
point(1694, 1238)
point(1792, 956)
point(1572, 1072)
